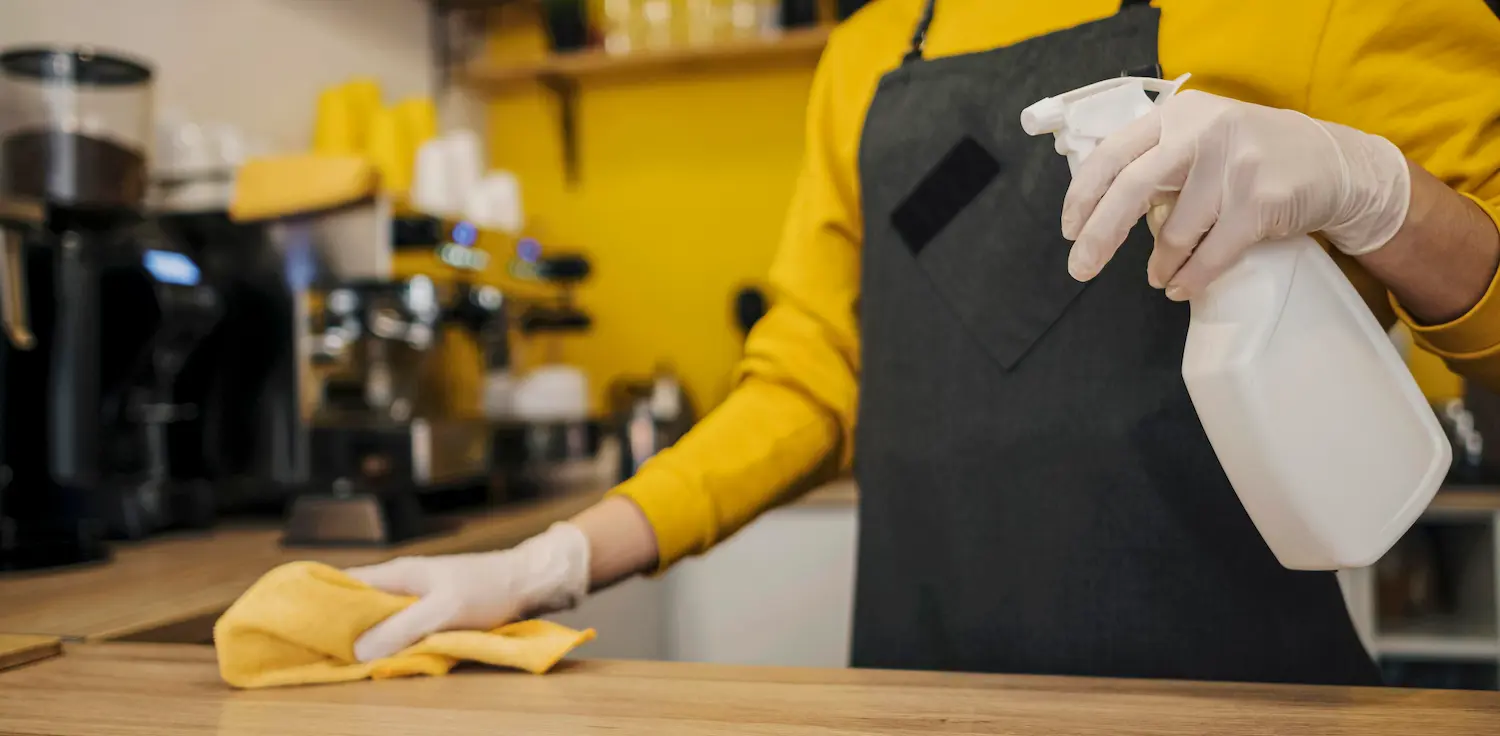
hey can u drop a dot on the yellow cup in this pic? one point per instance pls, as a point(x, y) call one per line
point(390, 151)
point(418, 117)
point(364, 102)
point(334, 131)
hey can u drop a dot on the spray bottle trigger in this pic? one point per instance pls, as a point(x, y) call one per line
point(1157, 216)
point(1164, 88)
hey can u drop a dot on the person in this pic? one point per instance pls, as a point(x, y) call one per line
point(1036, 492)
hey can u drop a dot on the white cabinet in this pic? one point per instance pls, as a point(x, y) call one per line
point(778, 593)
point(629, 618)
point(1430, 610)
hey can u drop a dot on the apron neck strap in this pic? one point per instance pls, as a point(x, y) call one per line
point(919, 34)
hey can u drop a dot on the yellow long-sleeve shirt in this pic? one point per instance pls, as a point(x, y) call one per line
point(1425, 75)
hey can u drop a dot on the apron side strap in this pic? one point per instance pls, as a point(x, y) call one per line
point(919, 34)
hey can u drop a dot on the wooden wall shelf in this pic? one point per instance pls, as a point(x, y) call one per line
point(796, 46)
point(564, 74)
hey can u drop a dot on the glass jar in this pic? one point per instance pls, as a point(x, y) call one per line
point(708, 22)
point(75, 127)
point(616, 19)
point(746, 19)
point(656, 18)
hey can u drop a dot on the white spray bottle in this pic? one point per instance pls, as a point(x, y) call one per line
point(1316, 420)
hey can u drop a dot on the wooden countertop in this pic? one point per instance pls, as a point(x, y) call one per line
point(19, 649)
point(172, 588)
point(1453, 501)
point(183, 582)
point(174, 690)
point(1469, 500)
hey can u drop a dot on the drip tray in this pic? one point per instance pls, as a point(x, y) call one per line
point(359, 520)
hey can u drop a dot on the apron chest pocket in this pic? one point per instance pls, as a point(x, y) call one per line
point(989, 241)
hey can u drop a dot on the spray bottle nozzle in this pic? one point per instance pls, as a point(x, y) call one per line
point(1080, 119)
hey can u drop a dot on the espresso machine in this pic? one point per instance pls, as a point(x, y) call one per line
point(73, 140)
point(382, 441)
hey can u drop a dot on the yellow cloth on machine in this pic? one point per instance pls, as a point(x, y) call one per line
point(298, 623)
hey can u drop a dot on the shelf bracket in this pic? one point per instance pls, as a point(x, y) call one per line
point(452, 43)
point(565, 90)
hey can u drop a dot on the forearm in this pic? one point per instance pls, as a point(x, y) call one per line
point(1443, 258)
point(764, 444)
point(621, 542)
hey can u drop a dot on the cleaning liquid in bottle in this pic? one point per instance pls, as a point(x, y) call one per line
point(1317, 422)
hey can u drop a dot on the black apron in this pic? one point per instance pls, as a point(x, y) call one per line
point(1037, 494)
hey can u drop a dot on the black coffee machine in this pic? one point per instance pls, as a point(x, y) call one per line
point(72, 153)
point(110, 308)
point(242, 432)
point(156, 308)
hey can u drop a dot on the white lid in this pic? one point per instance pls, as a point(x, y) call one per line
point(495, 203)
point(554, 392)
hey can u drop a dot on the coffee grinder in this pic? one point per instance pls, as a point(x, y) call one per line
point(73, 143)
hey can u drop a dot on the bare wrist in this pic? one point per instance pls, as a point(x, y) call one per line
point(1442, 260)
point(621, 540)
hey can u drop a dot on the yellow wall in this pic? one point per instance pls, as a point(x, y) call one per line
point(684, 180)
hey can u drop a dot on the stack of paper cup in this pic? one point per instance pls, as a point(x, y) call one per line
point(495, 204)
point(432, 190)
point(466, 163)
point(450, 181)
point(552, 393)
point(448, 168)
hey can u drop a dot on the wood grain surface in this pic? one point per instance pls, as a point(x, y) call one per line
point(794, 47)
point(174, 690)
point(16, 650)
point(183, 582)
point(1480, 500)
point(1459, 500)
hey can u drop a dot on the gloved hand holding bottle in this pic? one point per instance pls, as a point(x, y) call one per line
point(1241, 174)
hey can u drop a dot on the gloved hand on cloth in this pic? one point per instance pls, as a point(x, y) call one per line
point(305, 622)
point(1240, 174)
point(548, 572)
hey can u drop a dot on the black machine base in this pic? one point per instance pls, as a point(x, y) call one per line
point(142, 510)
point(28, 547)
point(361, 519)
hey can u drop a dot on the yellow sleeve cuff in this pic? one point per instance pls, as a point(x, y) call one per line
point(763, 446)
point(1477, 331)
point(682, 518)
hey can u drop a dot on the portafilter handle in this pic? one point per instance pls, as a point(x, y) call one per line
point(14, 318)
point(16, 218)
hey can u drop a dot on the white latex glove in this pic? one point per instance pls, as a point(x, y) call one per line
point(476, 591)
point(1240, 174)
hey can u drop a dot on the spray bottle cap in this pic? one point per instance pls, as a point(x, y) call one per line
point(1080, 119)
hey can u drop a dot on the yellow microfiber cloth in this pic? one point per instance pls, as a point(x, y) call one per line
point(297, 625)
